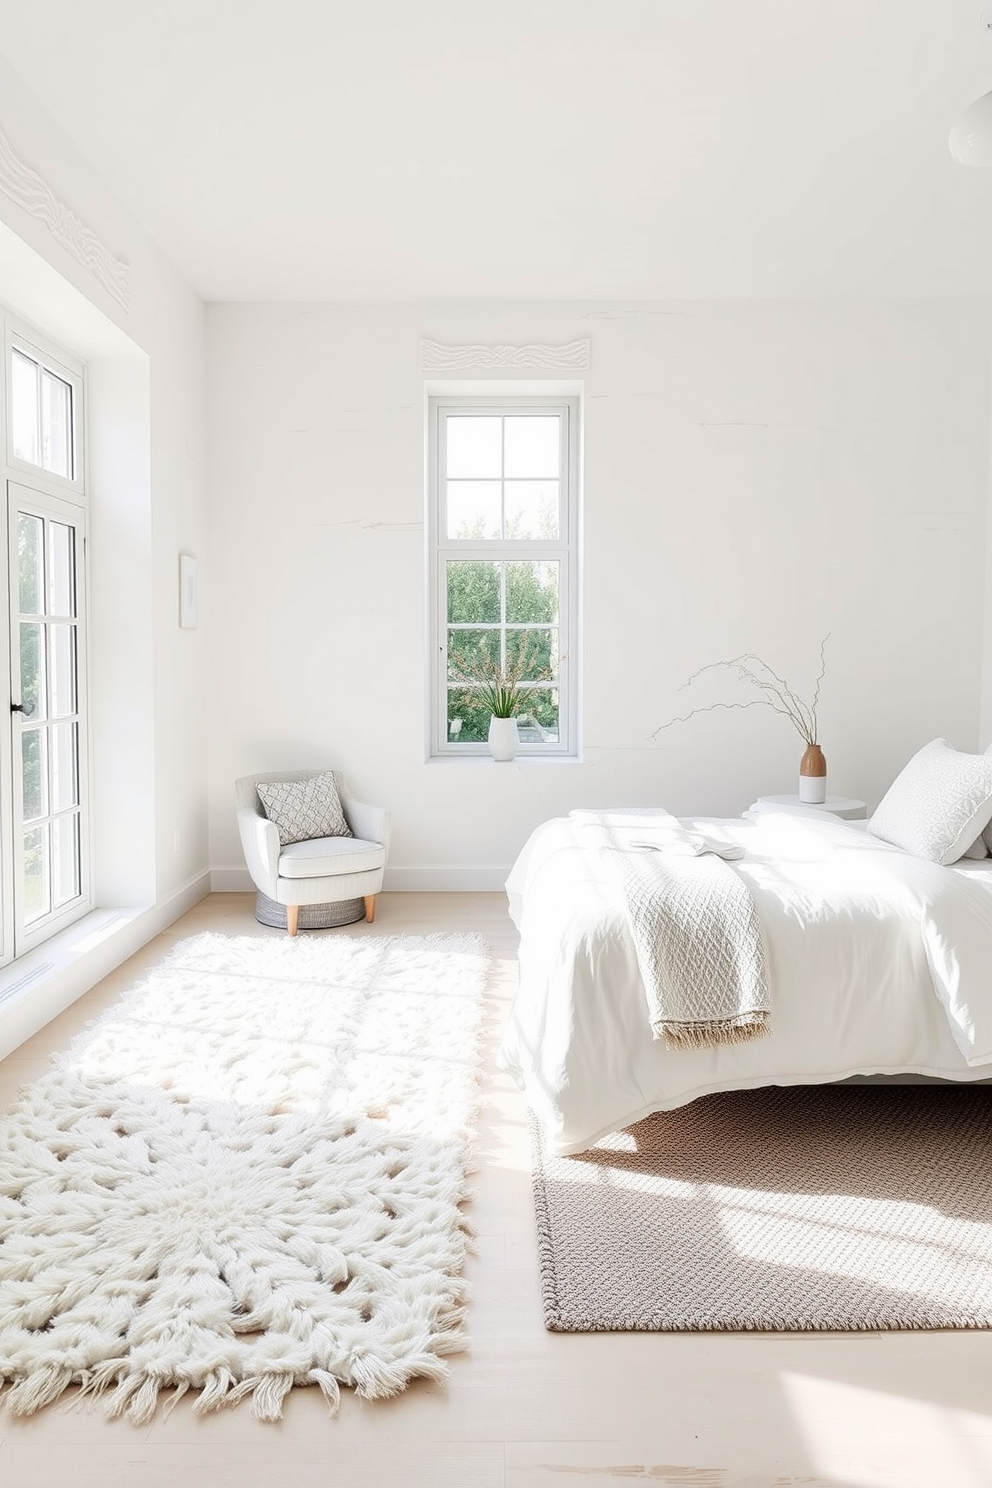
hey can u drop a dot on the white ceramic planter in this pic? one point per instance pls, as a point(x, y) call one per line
point(503, 738)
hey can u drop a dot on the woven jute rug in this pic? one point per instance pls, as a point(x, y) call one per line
point(248, 1175)
point(826, 1207)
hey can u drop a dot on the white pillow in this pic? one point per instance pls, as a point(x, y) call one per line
point(304, 809)
point(938, 805)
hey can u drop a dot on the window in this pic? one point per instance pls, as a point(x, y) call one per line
point(44, 879)
point(503, 580)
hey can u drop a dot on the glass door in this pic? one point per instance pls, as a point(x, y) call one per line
point(48, 690)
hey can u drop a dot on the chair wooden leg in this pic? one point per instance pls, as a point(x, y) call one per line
point(370, 908)
point(292, 918)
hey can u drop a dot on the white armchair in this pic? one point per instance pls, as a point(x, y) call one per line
point(321, 872)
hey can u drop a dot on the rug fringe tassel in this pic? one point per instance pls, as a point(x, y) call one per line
point(98, 1381)
point(174, 1399)
point(38, 1389)
point(269, 1394)
point(329, 1388)
point(218, 1388)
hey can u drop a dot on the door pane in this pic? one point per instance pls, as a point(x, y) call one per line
point(65, 858)
point(61, 576)
point(30, 564)
point(33, 668)
point(63, 664)
point(37, 893)
point(65, 771)
point(34, 773)
point(24, 406)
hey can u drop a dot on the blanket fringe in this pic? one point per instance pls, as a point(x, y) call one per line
point(713, 1033)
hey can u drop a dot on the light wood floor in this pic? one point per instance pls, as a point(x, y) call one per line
point(524, 1408)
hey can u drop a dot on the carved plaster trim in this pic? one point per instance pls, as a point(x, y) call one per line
point(32, 192)
point(436, 357)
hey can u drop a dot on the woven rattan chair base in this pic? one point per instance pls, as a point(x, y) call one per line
point(312, 916)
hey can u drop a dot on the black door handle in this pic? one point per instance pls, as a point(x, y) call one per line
point(26, 708)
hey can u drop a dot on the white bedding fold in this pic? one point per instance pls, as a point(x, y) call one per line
point(877, 963)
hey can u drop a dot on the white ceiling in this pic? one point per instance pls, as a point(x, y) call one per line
point(552, 149)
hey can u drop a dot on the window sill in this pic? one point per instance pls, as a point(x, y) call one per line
point(485, 761)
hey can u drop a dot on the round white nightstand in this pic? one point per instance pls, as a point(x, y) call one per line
point(846, 806)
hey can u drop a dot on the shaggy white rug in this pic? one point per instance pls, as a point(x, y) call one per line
point(247, 1176)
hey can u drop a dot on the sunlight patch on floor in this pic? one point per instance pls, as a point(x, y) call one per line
point(887, 1440)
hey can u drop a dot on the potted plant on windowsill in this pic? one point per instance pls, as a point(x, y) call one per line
point(499, 687)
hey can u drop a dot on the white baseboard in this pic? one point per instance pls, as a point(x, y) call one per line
point(35, 988)
point(445, 880)
point(397, 880)
point(230, 881)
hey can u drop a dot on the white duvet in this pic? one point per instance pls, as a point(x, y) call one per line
point(879, 962)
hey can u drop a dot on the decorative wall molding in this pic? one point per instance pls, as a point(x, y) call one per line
point(32, 192)
point(436, 357)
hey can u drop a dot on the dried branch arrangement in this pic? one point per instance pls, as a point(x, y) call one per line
point(774, 692)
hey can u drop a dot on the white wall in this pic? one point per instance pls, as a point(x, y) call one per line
point(756, 474)
point(147, 488)
point(146, 484)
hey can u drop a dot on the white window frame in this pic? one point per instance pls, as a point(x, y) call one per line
point(53, 508)
point(20, 338)
point(16, 939)
point(564, 550)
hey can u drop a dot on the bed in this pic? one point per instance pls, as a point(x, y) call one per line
point(879, 963)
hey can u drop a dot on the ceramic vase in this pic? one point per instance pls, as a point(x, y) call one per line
point(503, 738)
point(813, 776)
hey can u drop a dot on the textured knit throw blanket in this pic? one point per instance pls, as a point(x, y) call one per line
point(695, 930)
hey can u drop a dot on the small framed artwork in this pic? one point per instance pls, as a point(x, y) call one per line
point(189, 592)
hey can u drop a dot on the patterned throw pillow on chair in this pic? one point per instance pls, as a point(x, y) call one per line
point(304, 809)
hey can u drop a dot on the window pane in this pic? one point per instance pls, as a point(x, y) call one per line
point(32, 669)
point(537, 721)
point(65, 864)
point(532, 593)
point(532, 509)
point(468, 721)
point(473, 593)
point(61, 569)
point(56, 424)
point(475, 447)
point(65, 775)
point(34, 773)
point(474, 508)
point(473, 655)
point(24, 407)
point(533, 446)
point(537, 649)
point(30, 548)
point(63, 663)
point(37, 896)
